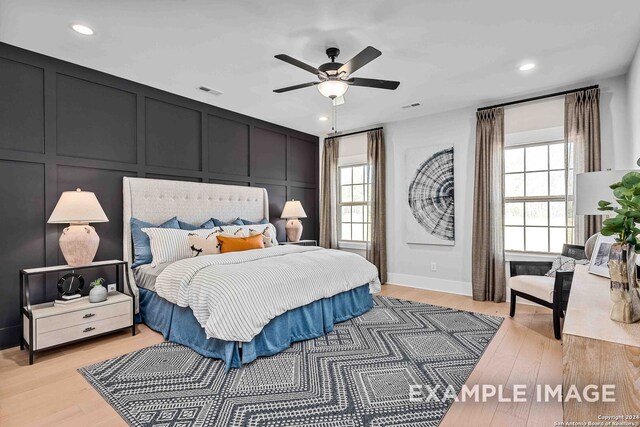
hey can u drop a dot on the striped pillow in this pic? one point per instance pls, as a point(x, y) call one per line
point(169, 245)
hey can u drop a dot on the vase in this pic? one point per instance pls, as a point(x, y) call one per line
point(98, 294)
point(625, 293)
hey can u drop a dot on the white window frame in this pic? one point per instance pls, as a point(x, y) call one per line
point(567, 198)
point(347, 243)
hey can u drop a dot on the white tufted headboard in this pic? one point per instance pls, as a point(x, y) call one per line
point(156, 200)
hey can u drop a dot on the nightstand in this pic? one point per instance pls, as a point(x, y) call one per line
point(301, 243)
point(45, 326)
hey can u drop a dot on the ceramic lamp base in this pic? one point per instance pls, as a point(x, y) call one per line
point(79, 244)
point(294, 229)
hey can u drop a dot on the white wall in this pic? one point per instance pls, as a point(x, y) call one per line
point(633, 98)
point(411, 264)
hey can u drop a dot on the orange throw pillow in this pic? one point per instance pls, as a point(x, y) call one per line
point(236, 244)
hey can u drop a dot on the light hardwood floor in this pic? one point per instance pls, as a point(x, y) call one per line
point(52, 393)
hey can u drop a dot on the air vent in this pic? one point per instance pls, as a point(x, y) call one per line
point(415, 104)
point(210, 91)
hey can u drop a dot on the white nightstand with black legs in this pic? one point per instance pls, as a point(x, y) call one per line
point(45, 326)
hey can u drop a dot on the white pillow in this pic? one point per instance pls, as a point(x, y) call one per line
point(270, 238)
point(170, 244)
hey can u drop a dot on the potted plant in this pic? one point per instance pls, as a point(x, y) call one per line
point(625, 293)
point(98, 292)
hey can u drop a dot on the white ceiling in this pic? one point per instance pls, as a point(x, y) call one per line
point(445, 53)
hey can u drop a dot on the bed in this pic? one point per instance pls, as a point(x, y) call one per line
point(238, 306)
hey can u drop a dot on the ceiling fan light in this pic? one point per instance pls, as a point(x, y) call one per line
point(333, 88)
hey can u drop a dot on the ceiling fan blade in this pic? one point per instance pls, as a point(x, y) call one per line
point(338, 101)
point(300, 86)
point(377, 83)
point(367, 55)
point(300, 64)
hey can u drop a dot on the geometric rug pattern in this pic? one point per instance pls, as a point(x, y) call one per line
point(358, 375)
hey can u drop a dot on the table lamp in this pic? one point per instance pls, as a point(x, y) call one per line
point(291, 212)
point(591, 187)
point(78, 242)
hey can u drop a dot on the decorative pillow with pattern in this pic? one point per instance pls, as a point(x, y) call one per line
point(169, 245)
point(564, 263)
point(270, 238)
point(204, 245)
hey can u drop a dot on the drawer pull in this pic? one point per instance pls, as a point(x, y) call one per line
point(89, 329)
point(86, 316)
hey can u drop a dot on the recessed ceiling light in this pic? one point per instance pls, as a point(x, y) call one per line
point(528, 66)
point(323, 118)
point(82, 29)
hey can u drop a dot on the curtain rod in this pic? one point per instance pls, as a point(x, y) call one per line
point(353, 133)
point(536, 98)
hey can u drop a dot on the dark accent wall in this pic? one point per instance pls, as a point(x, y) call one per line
point(64, 126)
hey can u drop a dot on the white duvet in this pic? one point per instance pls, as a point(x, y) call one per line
point(234, 295)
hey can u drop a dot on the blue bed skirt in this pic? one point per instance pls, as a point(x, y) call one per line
point(179, 325)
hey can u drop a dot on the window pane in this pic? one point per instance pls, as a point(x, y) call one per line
point(514, 238)
point(570, 214)
point(346, 214)
point(537, 239)
point(556, 183)
point(346, 194)
point(538, 184)
point(345, 176)
point(558, 237)
point(514, 185)
point(358, 175)
point(514, 213)
point(358, 192)
point(358, 214)
point(537, 159)
point(556, 156)
point(346, 231)
point(358, 232)
point(367, 214)
point(536, 213)
point(514, 160)
point(557, 214)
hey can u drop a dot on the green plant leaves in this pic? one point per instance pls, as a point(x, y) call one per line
point(631, 180)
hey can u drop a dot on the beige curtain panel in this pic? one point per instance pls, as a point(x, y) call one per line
point(377, 246)
point(487, 247)
point(329, 194)
point(582, 133)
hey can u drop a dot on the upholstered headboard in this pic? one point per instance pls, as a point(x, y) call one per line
point(156, 200)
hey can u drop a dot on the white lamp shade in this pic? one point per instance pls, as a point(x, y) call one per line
point(77, 207)
point(591, 187)
point(293, 209)
point(333, 88)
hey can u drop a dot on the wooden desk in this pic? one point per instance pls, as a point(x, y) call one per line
point(597, 350)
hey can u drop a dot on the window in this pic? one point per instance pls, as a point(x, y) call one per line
point(353, 212)
point(538, 197)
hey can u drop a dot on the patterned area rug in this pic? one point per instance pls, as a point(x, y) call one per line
point(359, 375)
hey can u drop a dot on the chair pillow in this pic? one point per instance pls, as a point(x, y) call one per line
point(236, 244)
point(564, 263)
point(141, 246)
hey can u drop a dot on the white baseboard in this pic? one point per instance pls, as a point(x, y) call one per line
point(430, 283)
point(440, 285)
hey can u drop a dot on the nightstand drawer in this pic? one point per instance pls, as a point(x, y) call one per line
point(87, 329)
point(81, 317)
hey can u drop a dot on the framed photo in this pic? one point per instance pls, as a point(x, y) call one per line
point(600, 256)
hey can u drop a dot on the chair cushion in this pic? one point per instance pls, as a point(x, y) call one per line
point(537, 286)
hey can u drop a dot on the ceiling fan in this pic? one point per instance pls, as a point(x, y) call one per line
point(334, 78)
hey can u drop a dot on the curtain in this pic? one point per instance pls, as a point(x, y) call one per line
point(582, 133)
point(487, 247)
point(377, 245)
point(329, 194)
